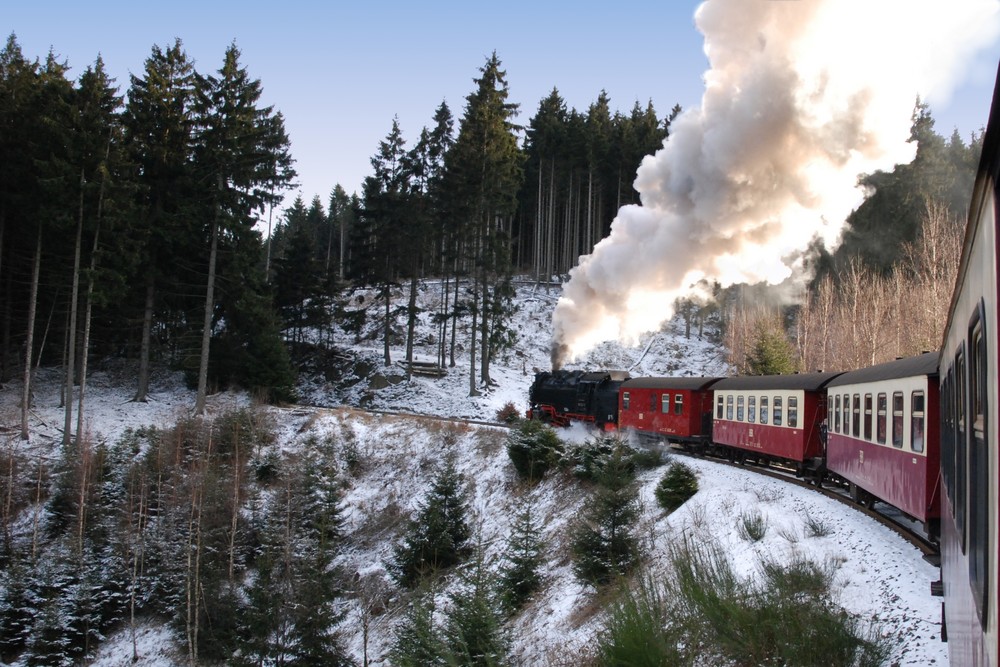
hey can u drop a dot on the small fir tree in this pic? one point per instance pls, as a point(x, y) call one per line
point(474, 632)
point(418, 643)
point(519, 574)
point(437, 537)
point(676, 487)
point(604, 543)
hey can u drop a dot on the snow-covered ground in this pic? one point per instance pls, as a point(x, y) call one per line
point(877, 574)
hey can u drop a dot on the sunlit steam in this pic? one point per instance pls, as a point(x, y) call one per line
point(802, 97)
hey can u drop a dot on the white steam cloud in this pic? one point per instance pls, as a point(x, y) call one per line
point(801, 98)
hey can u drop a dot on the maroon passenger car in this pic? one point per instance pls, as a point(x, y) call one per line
point(883, 436)
point(772, 417)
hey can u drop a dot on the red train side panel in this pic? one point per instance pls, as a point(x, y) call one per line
point(673, 409)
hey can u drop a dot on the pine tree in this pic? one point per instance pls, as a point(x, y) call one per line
point(473, 631)
point(519, 573)
point(158, 124)
point(437, 537)
point(604, 542)
point(771, 352)
point(242, 153)
point(418, 642)
point(485, 172)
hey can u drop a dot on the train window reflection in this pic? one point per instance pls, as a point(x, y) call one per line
point(897, 419)
point(752, 409)
point(836, 413)
point(868, 417)
point(718, 407)
point(881, 404)
point(665, 403)
point(917, 421)
point(793, 411)
point(624, 400)
point(739, 408)
point(777, 411)
point(729, 407)
point(678, 404)
point(856, 419)
point(763, 409)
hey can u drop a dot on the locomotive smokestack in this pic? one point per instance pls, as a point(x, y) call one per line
point(800, 99)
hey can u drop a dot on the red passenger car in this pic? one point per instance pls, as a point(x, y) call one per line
point(883, 438)
point(772, 417)
point(676, 410)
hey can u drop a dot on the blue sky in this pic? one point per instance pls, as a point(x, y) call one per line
point(340, 72)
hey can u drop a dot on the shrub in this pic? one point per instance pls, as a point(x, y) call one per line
point(676, 487)
point(533, 448)
point(508, 414)
point(641, 631)
point(787, 618)
point(752, 526)
point(816, 527)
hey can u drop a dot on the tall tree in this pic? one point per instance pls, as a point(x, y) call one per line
point(242, 159)
point(158, 131)
point(487, 173)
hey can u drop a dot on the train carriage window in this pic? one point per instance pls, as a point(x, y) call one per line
point(752, 409)
point(847, 414)
point(665, 403)
point(793, 411)
point(979, 465)
point(718, 406)
point(625, 400)
point(763, 409)
point(678, 404)
point(868, 417)
point(917, 421)
point(881, 405)
point(777, 413)
point(652, 401)
point(836, 413)
point(729, 407)
point(739, 408)
point(856, 416)
point(897, 419)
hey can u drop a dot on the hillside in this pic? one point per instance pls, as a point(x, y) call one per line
point(385, 464)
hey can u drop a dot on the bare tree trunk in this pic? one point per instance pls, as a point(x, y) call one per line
point(30, 337)
point(206, 334)
point(385, 333)
point(473, 391)
point(454, 318)
point(411, 322)
point(71, 328)
point(142, 391)
point(85, 353)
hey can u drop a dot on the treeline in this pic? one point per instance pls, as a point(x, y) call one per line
point(130, 223)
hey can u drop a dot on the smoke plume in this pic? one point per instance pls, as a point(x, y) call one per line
point(802, 97)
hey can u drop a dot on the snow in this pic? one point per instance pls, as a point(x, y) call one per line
point(878, 575)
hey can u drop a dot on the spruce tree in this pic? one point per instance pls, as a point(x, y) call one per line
point(418, 642)
point(519, 573)
point(604, 542)
point(437, 537)
point(474, 628)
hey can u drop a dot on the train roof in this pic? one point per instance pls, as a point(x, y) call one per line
point(804, 381)
point(683, 383)
point(922, 364)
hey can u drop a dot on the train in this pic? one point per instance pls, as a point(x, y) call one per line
point(918, 433)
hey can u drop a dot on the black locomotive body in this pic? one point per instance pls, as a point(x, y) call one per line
point(561, 397)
